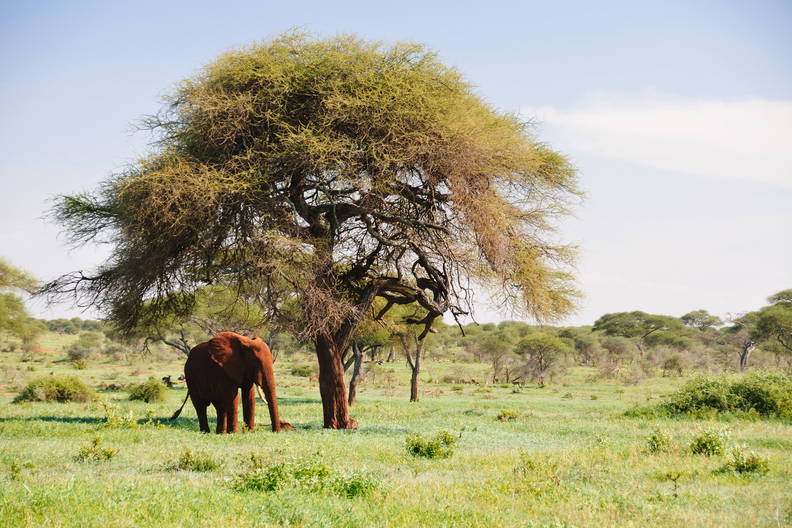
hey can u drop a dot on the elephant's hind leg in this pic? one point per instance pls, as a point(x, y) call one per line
point(220, 408)
point(200, 410)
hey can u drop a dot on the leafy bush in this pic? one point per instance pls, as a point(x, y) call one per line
point(440, 445)
point(507, 415)
point(56, 388)
point(744, 462)
point(353, 485)
point(767, 394)
point(308, 475)
point(115, 420)
point(304, 371)
point(658, 442)
point(149, 391)
point(305, 475)
point(94, 452)
point(192, 461)
point(710, 442)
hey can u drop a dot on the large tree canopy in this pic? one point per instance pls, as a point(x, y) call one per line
point(333, 172)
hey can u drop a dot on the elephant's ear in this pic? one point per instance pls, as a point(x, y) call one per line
point(225, 349)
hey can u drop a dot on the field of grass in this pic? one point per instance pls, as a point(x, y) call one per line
point(568, 458)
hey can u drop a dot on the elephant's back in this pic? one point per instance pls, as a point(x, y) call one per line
point(203, 376)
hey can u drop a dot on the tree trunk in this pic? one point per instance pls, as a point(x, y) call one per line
point(747, 348)
point(332, 386)
point(416, 369)
point(353, 382)
point(390, 355)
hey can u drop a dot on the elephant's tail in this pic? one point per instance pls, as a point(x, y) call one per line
point(177, 413)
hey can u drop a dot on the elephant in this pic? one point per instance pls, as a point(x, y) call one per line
point(217, 369)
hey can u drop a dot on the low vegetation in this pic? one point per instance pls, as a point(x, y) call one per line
point(55, 388)
point(764, 394)
point(440, 445)
point(151, 390)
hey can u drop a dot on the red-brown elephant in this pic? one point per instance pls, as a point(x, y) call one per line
point(217, 369)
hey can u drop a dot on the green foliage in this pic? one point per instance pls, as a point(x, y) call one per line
point(746, 462)
point(543, 355)
point(774, 322)
point(506, 415)
point(700, 319)
point(95, 452)
point(351, 485)
point(658, 442)
point(440, 445)
point(151, 390)
point(115, 420)
point(766, 393)
point(304, 370)
point(305, 475)
point(710, 442)
point(56, 388)
point(190, 460)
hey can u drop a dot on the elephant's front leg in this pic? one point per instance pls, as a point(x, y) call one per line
point(232, 414)
point(249, 406)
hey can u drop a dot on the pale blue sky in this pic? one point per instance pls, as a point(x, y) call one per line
point(677, 114)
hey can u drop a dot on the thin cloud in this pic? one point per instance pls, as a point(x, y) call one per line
point(747, 139)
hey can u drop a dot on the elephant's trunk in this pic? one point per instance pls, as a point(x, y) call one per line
point(267, 394)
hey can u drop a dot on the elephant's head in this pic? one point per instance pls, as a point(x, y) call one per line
point(247, 361)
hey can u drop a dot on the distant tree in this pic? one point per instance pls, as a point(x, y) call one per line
point(741, 333)
point(543, 355)
point(498, 348)
point(14, 318)
point(336, 171)
point(774, 322)
point(620, 349)
point(700, 319)
point(585, 343)
point(369, 336)
point(637, 325)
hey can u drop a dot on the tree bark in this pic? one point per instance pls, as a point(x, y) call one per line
point(415, 366)
point(747, 348)
point(357, 356)
point(332, 386)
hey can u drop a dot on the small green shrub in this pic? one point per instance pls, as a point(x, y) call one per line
point(658, 442)
point(457, 388)
point(440, 445)
point(304, 371)
point(194, 461)
point(115, 420)
point(305, 475)
point(80, 363)
point(56, 388)
point(567, 396)
point(507, 415)
point(94, 452)
point(746, 462)
point(353, 485)
point(709, 442)
point(594, 397)
point(148, 391)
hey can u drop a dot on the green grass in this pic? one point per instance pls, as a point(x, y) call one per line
point(563, 462)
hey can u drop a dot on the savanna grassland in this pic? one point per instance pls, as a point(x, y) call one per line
point(562, 455)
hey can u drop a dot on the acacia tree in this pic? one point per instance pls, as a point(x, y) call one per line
point(543, 355)
point(774, 322)
point(637, 325)
point(334, 171)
